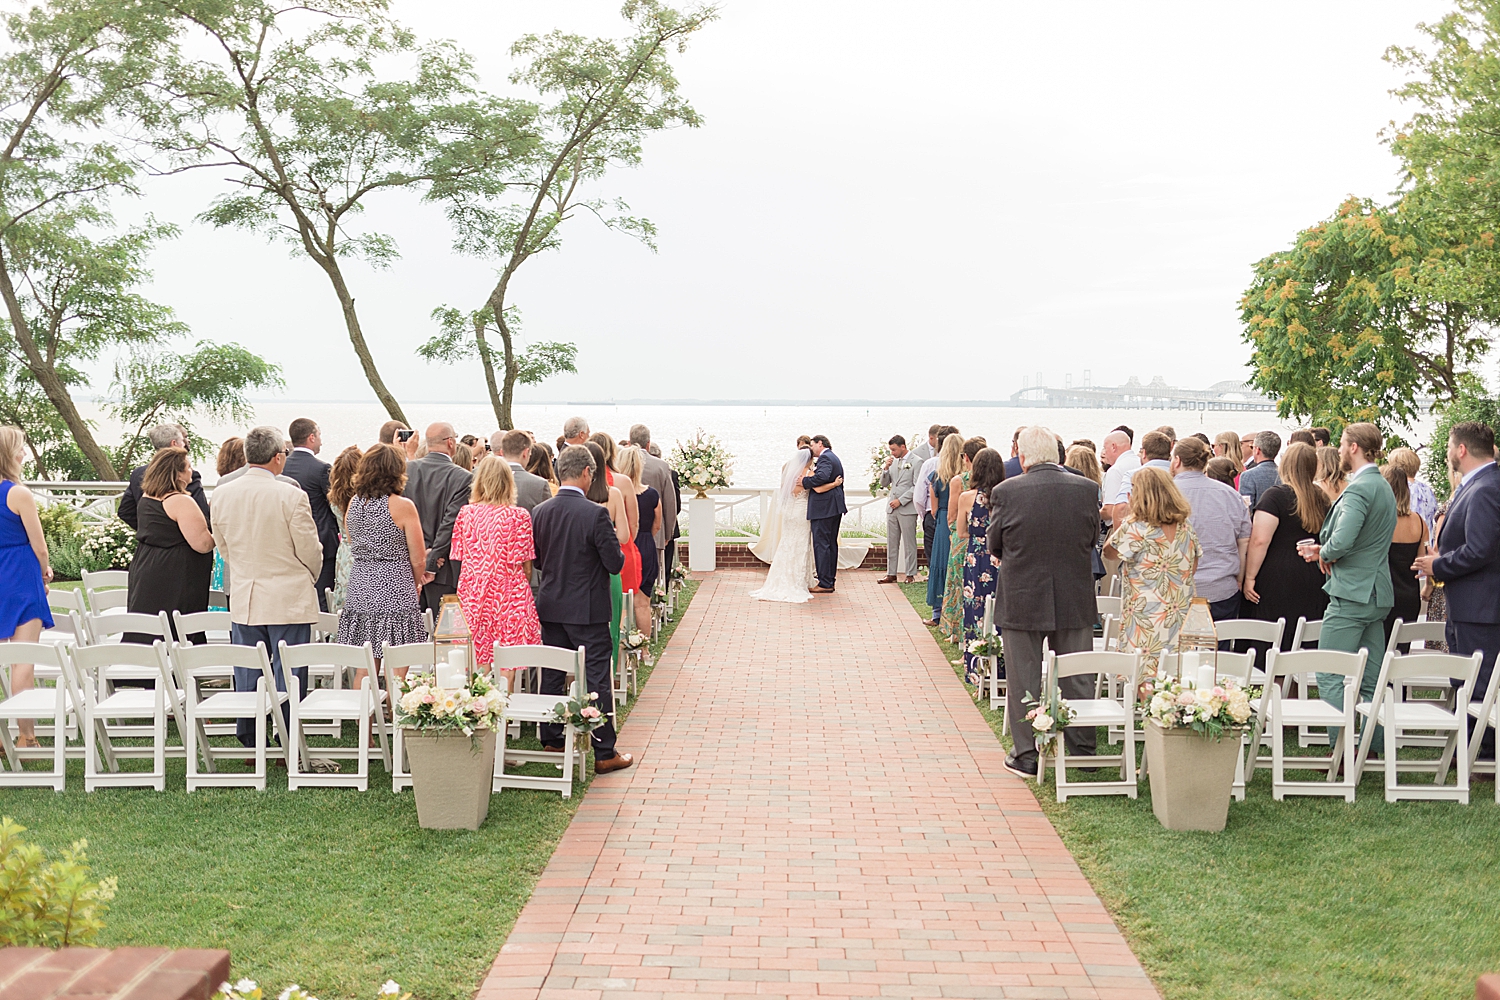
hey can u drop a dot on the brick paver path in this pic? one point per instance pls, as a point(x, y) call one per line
point(819, 810)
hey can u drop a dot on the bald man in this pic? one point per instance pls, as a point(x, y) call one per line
point(1121, 460)
point(439, 489)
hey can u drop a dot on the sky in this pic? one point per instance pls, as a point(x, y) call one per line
point(885, 201)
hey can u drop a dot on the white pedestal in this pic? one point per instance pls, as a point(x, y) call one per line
point(702, 535)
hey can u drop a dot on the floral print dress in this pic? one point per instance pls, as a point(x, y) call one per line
point(952, 619)
point(491, 542)
point(1158, 587)
point(981, 575)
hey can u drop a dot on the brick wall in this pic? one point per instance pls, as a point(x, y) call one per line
point(729, 555)
point(102, 974)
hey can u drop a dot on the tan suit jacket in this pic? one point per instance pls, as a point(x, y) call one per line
point(658, 474)
point(265, 530)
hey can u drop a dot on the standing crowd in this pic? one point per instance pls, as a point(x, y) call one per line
point(539, 548)
point(1254, 530)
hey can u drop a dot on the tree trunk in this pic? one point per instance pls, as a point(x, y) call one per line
point(508, 392)
point(502, 410)
point(357, 338)
point(52, 385)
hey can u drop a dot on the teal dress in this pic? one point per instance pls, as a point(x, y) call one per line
point(938, 546)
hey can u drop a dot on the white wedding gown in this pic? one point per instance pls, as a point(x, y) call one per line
point(792, 571)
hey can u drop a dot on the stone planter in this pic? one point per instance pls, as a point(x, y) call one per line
point(451, 781)
point(1191, 775)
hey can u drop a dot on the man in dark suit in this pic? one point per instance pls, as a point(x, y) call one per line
point(1012, 464)
point(514, 448)
point(311, 474)
point(161, 436)
point(1043, 526)
point(825, 511)
point(576, 551)
point(439, 489)
point(1468, 559)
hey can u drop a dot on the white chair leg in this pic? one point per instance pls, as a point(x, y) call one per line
point(260, 734)
point(1390, 761)
point(159, 759)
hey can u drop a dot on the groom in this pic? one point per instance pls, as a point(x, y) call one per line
point(825, 510)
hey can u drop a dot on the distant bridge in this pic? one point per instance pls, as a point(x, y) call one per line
point(1155, 395)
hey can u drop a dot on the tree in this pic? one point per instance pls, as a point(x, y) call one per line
point(1367, 311)
point(607, 96)
point(70, 65)
point(1473, 402)
point(312, 130)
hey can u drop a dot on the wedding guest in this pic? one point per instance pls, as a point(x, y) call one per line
point(515, 449)
point(385, 535)
point(1043, 527)
point(1468, 565)
point(1155, 453)
point(630, 576)
point(1170, 432)
point(1158, 552)
point(575, 431)
point(981, 570)
point(340, 489)
point(172, 565)
point(493, 543)
point(1322, 436)
point(403, 437)
point(656, 474)
point(1302, 437)
point(951, 621)
point(1227, 446)
point(1279, 583)
point(231, 456)
point(648, 521)
point(924, 499)
point(471, 442)
point(927, 448)
point(1221, 470)
point(1013, 464)
point(311, 474)
point(1261, 476)
point(1247, 449)
point(577, 551)
point(950, 460)
point(541, 465)
point(1408, 543)
point(161, 436)
point(1423, 499)
point(1121, 460)
point(1222, 526)
point(1083, 460)
point(25, 569)
point(899, 475)
point(613, 501)
point(439, 489)
point(463, 457)
point(1331, 477)
point(265, 528)
point(1085, 443)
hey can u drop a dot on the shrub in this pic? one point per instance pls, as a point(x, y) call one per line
point(1473, 403)
point(51, 904)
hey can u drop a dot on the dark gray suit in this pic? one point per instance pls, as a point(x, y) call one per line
point(311, 473)
point(439, 489)
point(530, 490)
point(1043, 526)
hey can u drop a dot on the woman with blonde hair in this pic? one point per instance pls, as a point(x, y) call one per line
point(630, 576)
point(25, 568)
point(1158, 552)
point(1084, 460)
point(950, 464)
point(951, 621)
point(492, 542)
point(340, 489)
point(1331, 477)
point(1408, 542)
point(1279, 583)
point(1227, 445)
point(648, 502)
point(540, 464)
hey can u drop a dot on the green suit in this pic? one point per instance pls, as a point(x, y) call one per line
point(1356, 540)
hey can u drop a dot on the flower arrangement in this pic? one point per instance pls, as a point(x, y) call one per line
point(475, 706)
point(986, 645)
point(249, 989)
point(703, 463)
point(108, 543)
point(878, 455)
point(1208, 710)
point(1047, 721)
point(580, 713)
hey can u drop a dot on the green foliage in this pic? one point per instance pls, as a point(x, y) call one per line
point(52, 904)
point(1474, 402)
point(58, 519)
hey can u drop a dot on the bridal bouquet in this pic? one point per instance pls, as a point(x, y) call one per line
point(423, 705)
point(1208, 710)
point(703, 463)
point(878, 455)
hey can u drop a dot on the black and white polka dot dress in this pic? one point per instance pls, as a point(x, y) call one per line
point(381, 605)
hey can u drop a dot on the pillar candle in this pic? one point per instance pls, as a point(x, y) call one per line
point(1188, 667)
point(1207, 675)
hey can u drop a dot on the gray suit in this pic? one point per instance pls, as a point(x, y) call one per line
point(1043, 526)
point(530, 490)
point(656, 473)
point(901, 523)
point(439, 489)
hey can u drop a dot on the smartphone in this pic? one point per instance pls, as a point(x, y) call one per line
point(404, 435)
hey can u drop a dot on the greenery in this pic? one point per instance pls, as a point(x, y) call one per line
point(1302, 899)
point(333, 889)
point(44, 903)
point(1473, 403)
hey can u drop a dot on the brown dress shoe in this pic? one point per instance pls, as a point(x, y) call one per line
point(618, 762)
point(911, 579)
point(886, 579)
point(821, 590)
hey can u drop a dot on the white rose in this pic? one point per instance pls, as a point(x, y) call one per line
point(1042, 722)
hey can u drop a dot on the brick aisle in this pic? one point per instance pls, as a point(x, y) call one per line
point(819, 810)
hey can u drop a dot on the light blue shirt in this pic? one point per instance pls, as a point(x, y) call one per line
point(1123, 496)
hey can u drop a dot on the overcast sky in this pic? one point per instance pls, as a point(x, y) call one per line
point(886, 200)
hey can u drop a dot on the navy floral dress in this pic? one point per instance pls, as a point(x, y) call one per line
point(981, 574)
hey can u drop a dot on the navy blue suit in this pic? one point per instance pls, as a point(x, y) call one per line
point(825, 511)
point(1469, 569)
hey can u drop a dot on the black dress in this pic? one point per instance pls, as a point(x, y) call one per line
point(1289, 586)
point(1407, 587)
point(645, 541)
point(165, 573)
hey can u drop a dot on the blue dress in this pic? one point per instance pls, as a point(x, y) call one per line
point(938, 546)
point(981, 575)
point(23, 595)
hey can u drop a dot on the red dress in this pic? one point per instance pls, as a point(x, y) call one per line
point(630, 576)
point(491, 543)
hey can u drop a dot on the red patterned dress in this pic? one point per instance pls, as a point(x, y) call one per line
point(491, 543)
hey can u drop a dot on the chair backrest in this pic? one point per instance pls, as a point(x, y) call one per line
point(569, 661)
point(68, 623)
point(1423, 632)
point(43, 655)
point(105, 579)
point(123, 661)
point(218, 656)
point(104, 627)
point(1107, 605)
point(202, 621)
point(1421, 664)
point(326, 654)
point(412, 654)
point(1251, 630)
point(1089, 662)
point(988, 627)
point(1111, 633)
point(1226, 664)
point(107, 600)
point(326, 627)
point(333, 606)
point(1322, 661)
point(66, 599)
point(1305, 632)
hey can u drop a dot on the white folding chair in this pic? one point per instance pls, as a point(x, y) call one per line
point(1089, 713)
point(98, 667)
point(1423, 632)
point(1305, 636)
point(110, 629)
point(395, 662)
point(627, 659)
point(992, 678)
point(106, 590)
point(333, 606)
point(362, 705)
point(326, 628)
point(1277, 710)
point(69, 602)
point(196, 664)
point(1483, 713)
point(215, 625)
point(1108, 606)
point(40, 704)
point(1251, 630)
point(538, 708)
point(326, 675)
point(1387, 710)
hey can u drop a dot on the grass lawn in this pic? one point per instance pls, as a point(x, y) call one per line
point(329, 888)
point(1306, 898)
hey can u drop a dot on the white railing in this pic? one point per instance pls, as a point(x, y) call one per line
point(96, 501)
point(739, 511)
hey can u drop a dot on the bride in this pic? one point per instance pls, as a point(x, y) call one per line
point(787, 536)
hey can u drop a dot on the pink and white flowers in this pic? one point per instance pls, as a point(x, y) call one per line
point(1047, 721)
point(475, 706)
point(1208, 710)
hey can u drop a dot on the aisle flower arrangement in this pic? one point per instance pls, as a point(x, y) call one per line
point(986, 645)
point(475, 706)
point(878, 455)
point(580, 713)
point(703, 463)
point(1207, 710)
point(1048, 720)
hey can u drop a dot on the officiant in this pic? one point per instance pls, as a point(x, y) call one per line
point(900, 477)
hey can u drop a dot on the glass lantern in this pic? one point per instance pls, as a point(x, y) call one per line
point(453, 644)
